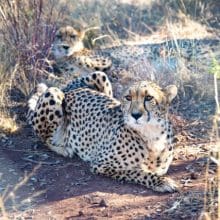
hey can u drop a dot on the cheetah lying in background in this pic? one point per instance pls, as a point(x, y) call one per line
point(130, 141)
point(72, 58)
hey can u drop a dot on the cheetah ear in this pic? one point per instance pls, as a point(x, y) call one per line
point(81, 34)
point(77, 27)
point(170, 93)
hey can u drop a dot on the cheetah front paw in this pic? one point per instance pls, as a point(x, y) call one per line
point(166, 185)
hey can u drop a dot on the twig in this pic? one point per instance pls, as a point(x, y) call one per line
point(218, 141)
point(29, 151)
point(40, 162)
point(10, 194)
point(101, 37)
point(4, 214)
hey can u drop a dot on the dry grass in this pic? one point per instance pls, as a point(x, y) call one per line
point(27, 32)
point(2, 210)
point(211, 208)
point(7, 124)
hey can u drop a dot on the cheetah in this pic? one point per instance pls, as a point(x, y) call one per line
point(71, 57)
point(145, 108)
point(125, 63)
point(85, 120)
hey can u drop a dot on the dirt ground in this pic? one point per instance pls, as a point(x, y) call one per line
point(38, 184)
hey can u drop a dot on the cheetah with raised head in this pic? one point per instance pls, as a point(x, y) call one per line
point(72, 58)
point(146, 107)
point(84, 119)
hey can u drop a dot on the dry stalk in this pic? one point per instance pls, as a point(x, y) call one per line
point(2, 209)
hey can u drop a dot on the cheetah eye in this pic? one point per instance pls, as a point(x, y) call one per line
point(73, 36)
point(128, 97)
point(58, 36)
point(148, 98)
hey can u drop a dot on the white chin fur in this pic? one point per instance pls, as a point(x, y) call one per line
point(149, 130)
point(136, 123)
point(78, 47)
point(58, 54)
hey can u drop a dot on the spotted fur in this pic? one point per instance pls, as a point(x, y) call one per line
point(91, 124)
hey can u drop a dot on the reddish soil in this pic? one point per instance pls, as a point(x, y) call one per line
point(36, 183)
point(63, 188)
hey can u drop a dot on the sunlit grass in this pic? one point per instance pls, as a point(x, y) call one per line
point(7, 124)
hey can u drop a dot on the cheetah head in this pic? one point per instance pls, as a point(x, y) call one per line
point(145, 102)
point(67, 41)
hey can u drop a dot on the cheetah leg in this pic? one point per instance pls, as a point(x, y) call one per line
point(32, 102)
point(97, 62)
point(47, 118)
point(99, 81)
point(148, 179)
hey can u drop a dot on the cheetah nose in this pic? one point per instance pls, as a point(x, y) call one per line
point(65, 47)
point(136, 115)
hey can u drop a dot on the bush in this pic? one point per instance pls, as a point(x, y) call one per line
point(27, 31)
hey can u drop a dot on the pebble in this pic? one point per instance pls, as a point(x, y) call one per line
point(81, 213)
point(103, 203)
point(194, 176)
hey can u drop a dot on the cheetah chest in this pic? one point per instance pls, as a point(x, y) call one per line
point(155, 134)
